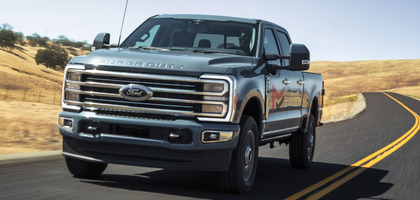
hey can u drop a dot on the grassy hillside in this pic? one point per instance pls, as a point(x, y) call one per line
point(346, 78)
point(30, 101)
point(18, 71)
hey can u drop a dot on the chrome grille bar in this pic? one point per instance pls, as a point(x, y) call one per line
point(103, 94)
point(155, 89)
point(172, 95)
point(111, 107)
point(134, 75)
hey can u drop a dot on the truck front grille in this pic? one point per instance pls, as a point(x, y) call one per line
point(180, 96)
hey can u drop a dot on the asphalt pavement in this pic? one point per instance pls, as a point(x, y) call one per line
point(338, 145)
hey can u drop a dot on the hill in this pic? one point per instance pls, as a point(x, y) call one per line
point(30, 97)
point(19, 71)
point(345, 78)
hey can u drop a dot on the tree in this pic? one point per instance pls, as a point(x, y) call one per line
point(54, 56)
point(6, 26)
point(63, 40)
point(37, 40)
point(19, 38)
point(42, 41)
point(7, 39)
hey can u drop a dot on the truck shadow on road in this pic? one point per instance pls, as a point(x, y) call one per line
point(276, 179)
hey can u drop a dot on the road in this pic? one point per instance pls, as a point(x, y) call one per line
point(339, 145)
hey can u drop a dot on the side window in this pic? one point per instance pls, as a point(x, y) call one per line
point(270, 46)
point(147, 38)
point(285, 45)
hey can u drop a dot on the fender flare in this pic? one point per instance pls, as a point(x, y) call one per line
point(253, 94)
point(314, 101)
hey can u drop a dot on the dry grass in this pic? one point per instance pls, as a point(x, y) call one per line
point(18, 71)
point(344, 80)
point(28, 93)
point(28, 127)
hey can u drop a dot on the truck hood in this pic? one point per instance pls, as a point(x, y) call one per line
point(164, 62)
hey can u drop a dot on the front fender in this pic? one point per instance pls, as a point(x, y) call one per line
point(250, 90)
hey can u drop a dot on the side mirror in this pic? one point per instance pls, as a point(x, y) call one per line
point(273, 68)
point(101, 41)
point(299, 57)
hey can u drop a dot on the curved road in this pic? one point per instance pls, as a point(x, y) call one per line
point(339, 145)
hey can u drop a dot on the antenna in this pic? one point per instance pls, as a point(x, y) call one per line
point(122, 24)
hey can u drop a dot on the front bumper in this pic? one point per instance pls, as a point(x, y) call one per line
point(146, 142)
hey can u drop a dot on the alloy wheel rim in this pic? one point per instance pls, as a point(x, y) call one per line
point(249, 157)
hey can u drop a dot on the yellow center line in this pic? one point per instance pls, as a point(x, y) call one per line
point(373, 159)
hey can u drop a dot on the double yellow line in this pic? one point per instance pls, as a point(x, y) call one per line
point(360, 166)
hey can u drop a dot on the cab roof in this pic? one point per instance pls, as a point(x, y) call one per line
point(208, 17)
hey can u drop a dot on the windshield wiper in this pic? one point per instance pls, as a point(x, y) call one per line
point(205, 51)
point(193, 50)
point(152, 48)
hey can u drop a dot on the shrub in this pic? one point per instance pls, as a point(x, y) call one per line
point(54, 56)
point(37, 40)
point(7, 39)
point(19, 38)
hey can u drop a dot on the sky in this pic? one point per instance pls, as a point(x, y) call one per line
point(332, 30)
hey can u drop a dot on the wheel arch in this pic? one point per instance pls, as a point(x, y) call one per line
point(253, 106)
point(314, 110)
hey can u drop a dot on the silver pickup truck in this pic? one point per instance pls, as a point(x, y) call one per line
point(192, 92)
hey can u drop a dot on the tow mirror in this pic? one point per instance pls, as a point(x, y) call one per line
point(299, 57)
point(273, 68)
point(101, 41)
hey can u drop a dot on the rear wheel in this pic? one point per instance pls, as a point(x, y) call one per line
point(302, 146)
point(241, 175)
point(84, 168)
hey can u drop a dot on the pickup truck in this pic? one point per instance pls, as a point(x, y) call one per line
point(194, 92)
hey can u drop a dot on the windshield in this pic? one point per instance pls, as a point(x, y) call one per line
point(197, 35)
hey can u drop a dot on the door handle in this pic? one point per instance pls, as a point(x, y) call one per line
point(300, 82)
point(286, 81)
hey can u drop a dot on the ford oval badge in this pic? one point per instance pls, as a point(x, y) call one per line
point(135, 92)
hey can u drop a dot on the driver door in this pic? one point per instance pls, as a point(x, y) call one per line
point(277, 91)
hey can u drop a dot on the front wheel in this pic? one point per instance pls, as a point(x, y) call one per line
point(243, 167)
point(84, 168)
point(302, 146)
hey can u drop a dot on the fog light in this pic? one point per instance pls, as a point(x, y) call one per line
point(66, 123)
point(210, 108)
point(216, 136)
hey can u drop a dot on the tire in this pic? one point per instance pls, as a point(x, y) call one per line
point(302, 146)
point(243, 167)
point(84, 168)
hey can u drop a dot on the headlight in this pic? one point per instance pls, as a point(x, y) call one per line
point(215, 98)
point(72, 96)
point(209, 108)
point(213, 87)
point(216, 92)
point(74, 76)
point(218, 96)
point(70, 85)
